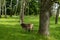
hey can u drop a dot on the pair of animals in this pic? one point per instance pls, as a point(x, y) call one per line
point(27, 27)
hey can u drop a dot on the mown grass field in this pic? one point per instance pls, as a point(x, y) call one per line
point(10, 29)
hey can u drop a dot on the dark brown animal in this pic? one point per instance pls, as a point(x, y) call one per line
point(27, 27)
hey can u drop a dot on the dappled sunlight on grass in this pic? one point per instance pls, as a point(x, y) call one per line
point(54, 30)
point(7, 23)
point(10, 29)
point(4, 20)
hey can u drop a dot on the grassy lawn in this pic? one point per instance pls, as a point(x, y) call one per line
point(10, 29)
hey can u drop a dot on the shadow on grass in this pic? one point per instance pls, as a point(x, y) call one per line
point(8, 32)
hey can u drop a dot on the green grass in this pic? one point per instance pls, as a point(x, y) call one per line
point(10, 29)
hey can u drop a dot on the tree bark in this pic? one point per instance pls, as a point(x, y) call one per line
point(0, 8)
point(5, 8)
point(22, 11)
point(16, 7)
point(44, 23)
point(57, 14)
point(44, 17)
point(11, 9)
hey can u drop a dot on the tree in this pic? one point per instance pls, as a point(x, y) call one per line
point(57, 14)
point(45, 7)
point(5, 8)
point(22, 10)
point(11, 8)
point(16, 6)
point(0, 8)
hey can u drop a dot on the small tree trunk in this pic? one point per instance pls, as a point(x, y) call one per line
point(5, 12)
point(10, 13)
point(57, 14)
point(26, 7)
point(0, 8)
point(16, 7)
point(22, 11)
point(11, 9)
point(5, 8)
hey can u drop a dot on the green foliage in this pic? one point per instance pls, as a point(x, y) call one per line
point(32, 7)
point(10, 29)
point(59, 1)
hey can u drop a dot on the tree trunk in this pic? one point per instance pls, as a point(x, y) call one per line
point(16, 7)
point(11, 9)
point(22, 11)
point(5, 9)
point(57, 14)
point(44, 16)
point(26, 7)
point(44, 23)
point(0, 8)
